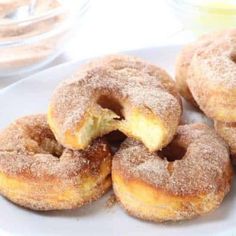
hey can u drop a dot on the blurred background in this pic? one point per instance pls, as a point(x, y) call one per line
point(38, 34)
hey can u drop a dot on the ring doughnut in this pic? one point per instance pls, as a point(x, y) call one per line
point(162, 186)
point(228, 132)
point(212, 80)
point(116, 93)
point(38, 173)
point(184, 60)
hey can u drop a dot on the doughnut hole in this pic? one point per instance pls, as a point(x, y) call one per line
point(51, 146)
point(111, 103)
point(42, 141)
point(172, 152)
point(115, 139)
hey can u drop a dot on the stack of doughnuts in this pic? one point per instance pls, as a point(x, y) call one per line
point(205, 76)
point(160, 171)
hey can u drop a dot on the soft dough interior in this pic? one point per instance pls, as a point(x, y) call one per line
point(139, 123)
point(96, 125)
point(147, 128)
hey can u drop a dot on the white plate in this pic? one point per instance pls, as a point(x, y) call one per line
point(32, 95)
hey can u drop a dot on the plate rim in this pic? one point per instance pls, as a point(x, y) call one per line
point(41, 73)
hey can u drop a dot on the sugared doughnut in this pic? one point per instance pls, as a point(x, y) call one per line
point(190, 177)
point(38, 173)
point(184, 60)
point(116, 93)
point(228, 132)
point(212, 78)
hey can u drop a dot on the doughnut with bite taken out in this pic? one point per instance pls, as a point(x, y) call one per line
point(116, 93)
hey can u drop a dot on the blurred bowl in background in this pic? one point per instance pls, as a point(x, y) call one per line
point(201, 16)
point(34, 32)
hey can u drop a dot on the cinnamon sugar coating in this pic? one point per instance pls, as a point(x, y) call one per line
point(55, 177)
point(131, 81)
point(212, 76)
point(228, 132)
point(184, 60)
point(132, 63)
point(191, 186)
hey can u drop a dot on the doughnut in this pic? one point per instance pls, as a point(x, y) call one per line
point(115, 93)
point(228, 132)
point(212, 78)
point(184, 59)
point(188, 178)
point(38, 173)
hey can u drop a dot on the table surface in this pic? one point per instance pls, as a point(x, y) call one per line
point(110, 26)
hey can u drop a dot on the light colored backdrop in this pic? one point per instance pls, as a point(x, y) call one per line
point(110, 26)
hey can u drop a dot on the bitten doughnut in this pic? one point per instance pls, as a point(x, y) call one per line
point(116, 93)
point(228, 132)
point(38, 173)
point(188, 178)
point(184, 60)
point(212, 80)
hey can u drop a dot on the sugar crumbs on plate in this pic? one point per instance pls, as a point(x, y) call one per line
point(111, 201)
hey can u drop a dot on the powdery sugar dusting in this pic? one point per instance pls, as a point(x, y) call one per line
point(28, 147)
point(185, 57)
point(123, 77)
point(212, 73)
point(228, 132)
point(201, 170)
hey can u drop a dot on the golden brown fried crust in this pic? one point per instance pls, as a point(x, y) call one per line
point(184, 60)
point(176, 208)
point(131, 81)
point(31, 158)
point(182, 65)
point(203, 174)
point(212, 78)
